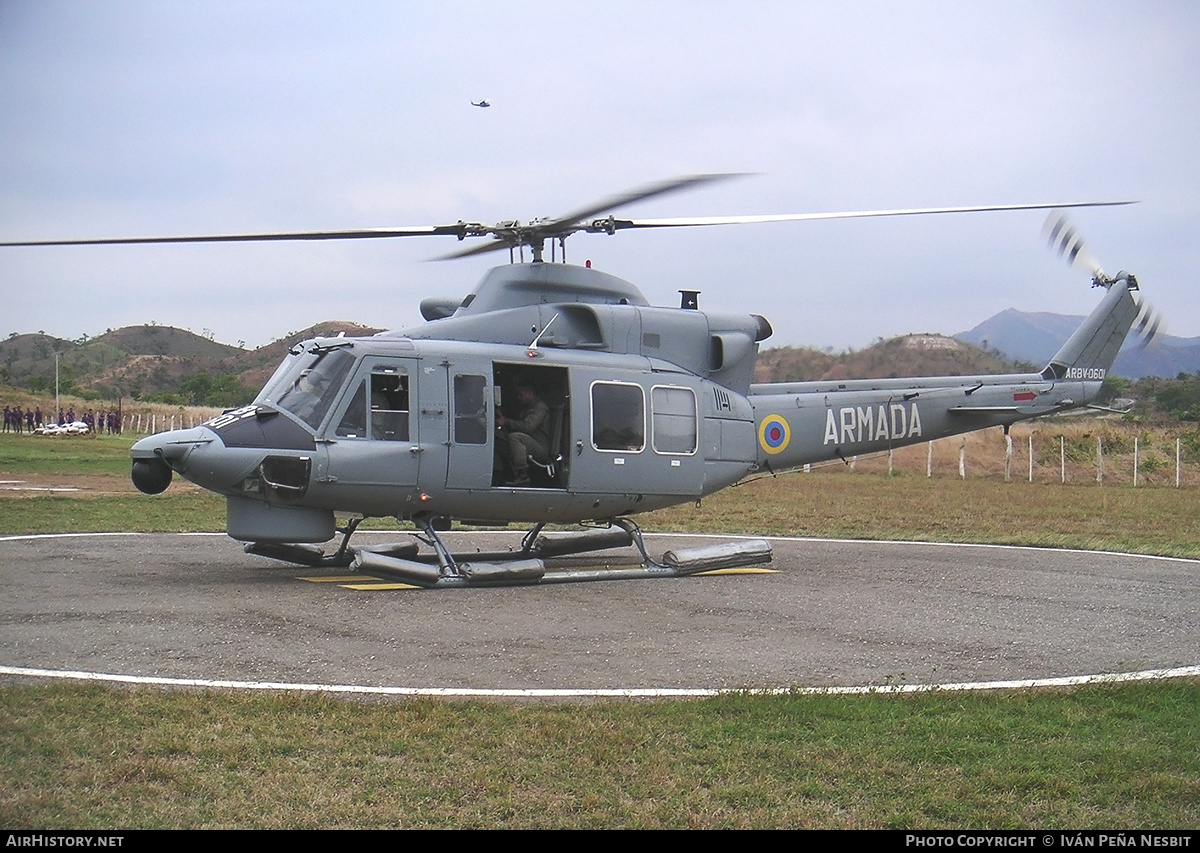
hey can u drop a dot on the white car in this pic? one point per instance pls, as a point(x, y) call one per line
point(73, 428)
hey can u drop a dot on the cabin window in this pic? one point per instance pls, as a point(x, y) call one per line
point(470, 410)
point(386, 417)
point(673, 419)
point(618, 416)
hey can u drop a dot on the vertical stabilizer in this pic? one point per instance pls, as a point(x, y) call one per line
point(1090, 352)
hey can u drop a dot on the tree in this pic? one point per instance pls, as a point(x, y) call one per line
point(1180, 398)
point(1112, 387)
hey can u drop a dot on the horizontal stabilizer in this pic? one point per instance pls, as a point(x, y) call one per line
point(1021, 410)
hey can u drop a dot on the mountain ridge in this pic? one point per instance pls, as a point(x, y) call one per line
point(1036, 336)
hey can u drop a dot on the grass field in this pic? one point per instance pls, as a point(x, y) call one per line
point(1106, 756)
point(1102, 756)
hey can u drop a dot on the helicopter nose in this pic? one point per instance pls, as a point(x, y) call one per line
point(157, 456)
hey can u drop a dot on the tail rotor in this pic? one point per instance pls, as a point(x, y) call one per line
point(1064, 239)
point(1149, 325)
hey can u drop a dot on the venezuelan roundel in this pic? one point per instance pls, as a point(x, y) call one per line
point(774, 434)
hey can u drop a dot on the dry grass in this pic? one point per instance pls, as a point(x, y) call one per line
point(860, 501)
point(1089, 516)
point(1058, 444)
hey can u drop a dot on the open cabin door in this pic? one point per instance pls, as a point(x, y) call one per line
point(470, 443)
point(476, 390)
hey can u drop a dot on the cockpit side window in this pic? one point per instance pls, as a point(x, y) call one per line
point(389, 406)
point(379, 408)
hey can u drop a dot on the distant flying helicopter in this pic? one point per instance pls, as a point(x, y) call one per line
point(483, 104)
point(555, 393)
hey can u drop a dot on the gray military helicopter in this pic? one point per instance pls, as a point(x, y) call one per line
point(634, 408)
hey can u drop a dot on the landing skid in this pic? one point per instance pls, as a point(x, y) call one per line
point(523, 567)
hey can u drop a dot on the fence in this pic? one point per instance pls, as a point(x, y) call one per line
point(151, 421)
point(1089, 451)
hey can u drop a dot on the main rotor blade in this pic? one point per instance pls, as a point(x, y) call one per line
point(492, 245)
point(682, 222)
point(359, 234)
point(630, 196)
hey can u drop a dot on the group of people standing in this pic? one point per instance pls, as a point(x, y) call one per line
point(16, 420)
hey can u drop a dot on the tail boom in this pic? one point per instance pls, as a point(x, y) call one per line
point(801, 423)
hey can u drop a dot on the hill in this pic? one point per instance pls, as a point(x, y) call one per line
point(1035, 337)
point(148, 361)
point(907, 355)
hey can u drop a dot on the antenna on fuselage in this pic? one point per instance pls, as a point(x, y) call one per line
point(532, 351)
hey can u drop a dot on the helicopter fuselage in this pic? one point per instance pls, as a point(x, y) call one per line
point(557, 393)
point(644, 408)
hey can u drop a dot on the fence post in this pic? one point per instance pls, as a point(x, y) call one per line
point(962, 458)
point(1135, 461)
point(929, 461)
point(1099, 460)
point(1007, 457)
point(1177, 460)
point(1062, 457)
point(1031, 457)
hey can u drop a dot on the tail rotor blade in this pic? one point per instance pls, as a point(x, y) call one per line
point(1149, 326)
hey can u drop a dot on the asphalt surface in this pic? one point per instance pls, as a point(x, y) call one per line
point(835, 614)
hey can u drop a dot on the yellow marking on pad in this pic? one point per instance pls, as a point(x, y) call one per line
point(749, 570)
point(368, 587)
point(335, 578)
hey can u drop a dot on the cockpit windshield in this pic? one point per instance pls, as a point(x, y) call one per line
point(310, 384)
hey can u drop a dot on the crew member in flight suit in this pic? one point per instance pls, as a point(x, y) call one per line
point(525, 436)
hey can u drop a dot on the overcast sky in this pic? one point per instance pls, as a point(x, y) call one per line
point(144, 118)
